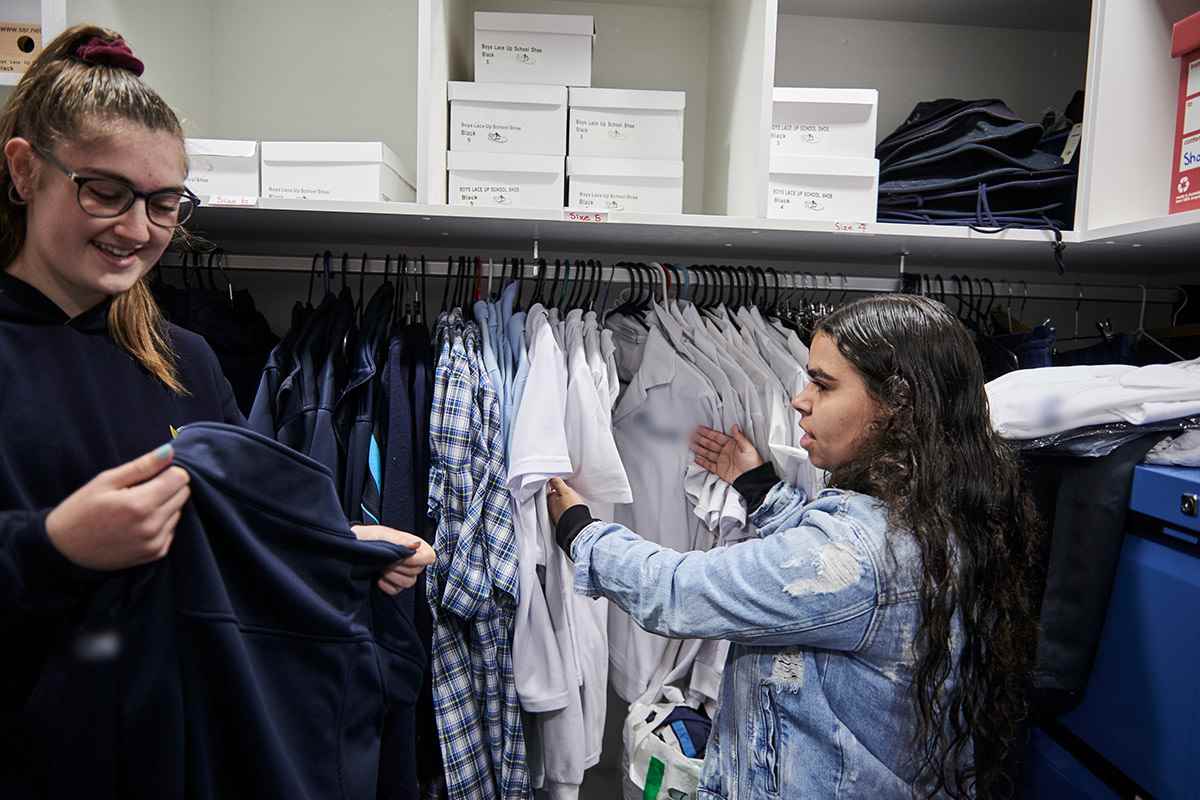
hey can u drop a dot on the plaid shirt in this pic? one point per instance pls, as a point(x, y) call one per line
point(473, 591)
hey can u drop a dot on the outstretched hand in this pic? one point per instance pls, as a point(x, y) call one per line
point(727, 457)
point(402, 574)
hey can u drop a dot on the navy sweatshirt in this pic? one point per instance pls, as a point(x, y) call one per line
point(72, 404)
point(256, 660)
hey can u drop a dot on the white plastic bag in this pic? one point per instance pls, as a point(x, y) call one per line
point(657, 770)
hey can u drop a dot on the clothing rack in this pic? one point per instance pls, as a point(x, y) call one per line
point(822, 282)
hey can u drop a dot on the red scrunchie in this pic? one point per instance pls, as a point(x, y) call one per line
point(110, 54)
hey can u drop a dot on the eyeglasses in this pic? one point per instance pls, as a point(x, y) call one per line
point(111, 197)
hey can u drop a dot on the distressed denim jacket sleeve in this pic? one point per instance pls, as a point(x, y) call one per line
point(809, 579)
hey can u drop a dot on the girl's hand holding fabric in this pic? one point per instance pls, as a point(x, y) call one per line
point(559, 498)
point(123, 517)
point(727, 457)
point(403, 574)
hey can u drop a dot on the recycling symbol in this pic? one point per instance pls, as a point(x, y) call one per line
point(1184, 185)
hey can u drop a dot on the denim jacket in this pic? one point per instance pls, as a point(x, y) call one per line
point(822, 614)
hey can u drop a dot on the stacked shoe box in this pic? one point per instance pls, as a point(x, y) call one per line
point(508, 129)
point(822, 165)
point(626, 150)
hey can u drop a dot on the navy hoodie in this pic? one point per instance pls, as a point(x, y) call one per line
point(255, 660)
point(72, 404)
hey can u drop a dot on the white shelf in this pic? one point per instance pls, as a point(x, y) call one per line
point(298, 226)
point(720, 52)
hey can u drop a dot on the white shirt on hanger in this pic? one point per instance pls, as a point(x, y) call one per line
point(600, 479)
point(538, 452)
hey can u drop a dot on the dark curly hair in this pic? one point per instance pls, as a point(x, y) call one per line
point(934, 461)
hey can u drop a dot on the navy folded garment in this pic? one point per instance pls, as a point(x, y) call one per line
point(256, 660)
point(1013, 137)
point(971, 159)
point(690, 728)
point(946, 183)
point(932, 116)
point(994, 221)
point(1005, 194)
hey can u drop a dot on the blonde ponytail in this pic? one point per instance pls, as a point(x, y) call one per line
point(137, 325)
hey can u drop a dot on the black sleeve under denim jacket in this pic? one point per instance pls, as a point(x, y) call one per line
point(753, 485)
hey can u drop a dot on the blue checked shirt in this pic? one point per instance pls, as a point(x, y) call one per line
point(473, 592)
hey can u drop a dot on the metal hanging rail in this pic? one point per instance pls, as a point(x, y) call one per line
point(798, 279)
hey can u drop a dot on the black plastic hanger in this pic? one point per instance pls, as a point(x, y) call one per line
point(362, 288)
point(446, 288)
point(538, 281)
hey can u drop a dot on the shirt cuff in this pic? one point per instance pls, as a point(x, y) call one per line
point(572, 521)
point(754, 485)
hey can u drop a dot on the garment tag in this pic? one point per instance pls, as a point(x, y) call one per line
point(20, 43)
point(585, 216)
point(1072, 143)
point(231, 200)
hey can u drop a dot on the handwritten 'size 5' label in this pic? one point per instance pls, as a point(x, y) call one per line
point(851, 227)
point(585, 216)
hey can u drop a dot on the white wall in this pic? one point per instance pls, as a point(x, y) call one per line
point(909, 62)
point(302, 69)
point(174, 39)
point(277, 69)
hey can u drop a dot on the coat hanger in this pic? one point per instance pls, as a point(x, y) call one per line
point(219, 256)
point(665, 283)
point(735, 299)
point(345, 267)
point(1182, 306)
point(312, 274)
point(398, 295)
point(540, 268)
point(675, 278)
point(446, 288)
point(1142, 333)
point(630, 306)
point(596, 283)
point(773, 307)
point(578, 284)
point(477, 288)
point(958, 296)
point(700, 293)
point(553, 290)
point(519, 273)
point(1075, 337)
point(986, 314)
point(564, 293)
point(587, 297)
point(588, 276)
point(460, 283)
point(607, 289)
point(362, 287)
